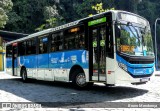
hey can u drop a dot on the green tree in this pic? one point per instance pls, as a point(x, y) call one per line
point(5, 7)
point(85, 8)
point(26, 15)
point(148, 41)
point(125, 38)
point(70, 10)
point(51, 14)
point(99, 8)
point(50, 23)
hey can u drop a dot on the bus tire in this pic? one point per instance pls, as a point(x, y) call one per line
point(24, 75)
point(79, 79)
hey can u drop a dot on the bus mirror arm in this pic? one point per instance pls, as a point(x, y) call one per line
point(117, 32)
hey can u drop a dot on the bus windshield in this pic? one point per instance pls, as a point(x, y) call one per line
point(134, 41)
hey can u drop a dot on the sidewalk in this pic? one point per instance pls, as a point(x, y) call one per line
point(1, 72)
point(4, 75)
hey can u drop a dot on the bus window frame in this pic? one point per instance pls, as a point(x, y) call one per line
point(110, 44)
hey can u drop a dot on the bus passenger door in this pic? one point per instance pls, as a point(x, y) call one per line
point(14, 59)
point(98, 52)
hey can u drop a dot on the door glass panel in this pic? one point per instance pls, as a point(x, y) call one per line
point(102, 50)
point(95, 49)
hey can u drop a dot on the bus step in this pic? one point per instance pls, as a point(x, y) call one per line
point(95, 74)
point(95, 81)
point(101, 78)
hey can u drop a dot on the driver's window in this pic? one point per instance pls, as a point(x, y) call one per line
point(126, 40)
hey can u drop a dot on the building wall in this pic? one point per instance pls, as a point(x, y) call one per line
point(2, 64)
point(2, 54)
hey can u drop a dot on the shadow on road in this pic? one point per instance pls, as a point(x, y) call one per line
point(63, 94)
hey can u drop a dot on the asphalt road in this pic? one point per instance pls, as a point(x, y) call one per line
point(57, 94)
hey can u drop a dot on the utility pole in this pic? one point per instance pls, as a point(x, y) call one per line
point(155, 39)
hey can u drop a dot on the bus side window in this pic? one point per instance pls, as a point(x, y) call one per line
point(9, 51)
point(57, 42)
point(82, 41)
point(60, 42)
point(71, 43)
point(66, 44)
point(74, 38)
point(22, 48)
point(43, 45)
point(31, 46)
point(76, 42)
point(40, 48)
point(53, 46)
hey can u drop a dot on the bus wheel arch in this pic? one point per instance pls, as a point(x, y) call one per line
point(73, 69)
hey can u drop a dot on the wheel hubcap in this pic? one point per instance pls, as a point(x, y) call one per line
point(81, 80)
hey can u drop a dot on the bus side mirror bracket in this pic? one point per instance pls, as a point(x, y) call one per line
point(117, 31)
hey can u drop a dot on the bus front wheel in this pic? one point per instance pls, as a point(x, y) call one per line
point(24, 75)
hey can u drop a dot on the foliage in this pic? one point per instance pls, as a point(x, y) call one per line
point(85, 8)
point(99, 8)
point(27, 15)
point(5, 7)
point(52, 22)
point(148, 41)
point(52, 18)
point(126, 39)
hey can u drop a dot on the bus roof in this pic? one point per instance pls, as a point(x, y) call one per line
point(47, 31)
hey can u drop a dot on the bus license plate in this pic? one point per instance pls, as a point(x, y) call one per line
point(144, 79)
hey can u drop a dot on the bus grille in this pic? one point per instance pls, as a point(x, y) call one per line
point(141, 62)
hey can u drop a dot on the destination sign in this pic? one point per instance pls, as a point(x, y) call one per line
point(97, 21)
point(127, 48)
point(132, 18)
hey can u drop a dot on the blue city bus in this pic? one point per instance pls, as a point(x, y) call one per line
point(114, 47)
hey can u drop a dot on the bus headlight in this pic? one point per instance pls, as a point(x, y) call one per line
point(123, 66)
